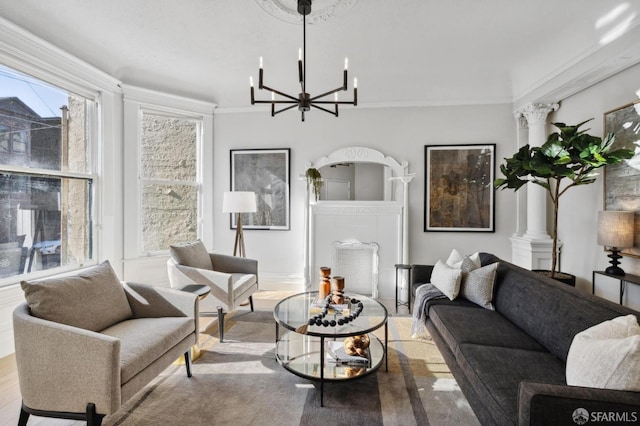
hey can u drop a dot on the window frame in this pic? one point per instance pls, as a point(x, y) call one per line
point(136, 100)
point(92, 99)
point(197, 183)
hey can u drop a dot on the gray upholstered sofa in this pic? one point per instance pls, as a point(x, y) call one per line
point(87, 343)
point(510, 362)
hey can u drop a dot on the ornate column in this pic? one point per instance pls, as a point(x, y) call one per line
point(522, 138)
point(533, 249)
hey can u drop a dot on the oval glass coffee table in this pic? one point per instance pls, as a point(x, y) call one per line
point(304, 349)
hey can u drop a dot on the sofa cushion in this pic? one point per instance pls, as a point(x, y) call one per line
point(459, 302)
point(538, 305)
point(495, 374)
point(93, 299)
point(477, 285)
point(141, 344)
point(446, 279)
point(459, 325)
point(192, 254)
point(606, 356)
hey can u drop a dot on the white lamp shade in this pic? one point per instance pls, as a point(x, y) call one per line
point(615, 229)
point(239, 202)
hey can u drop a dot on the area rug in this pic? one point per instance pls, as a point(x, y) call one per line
point(239, 382)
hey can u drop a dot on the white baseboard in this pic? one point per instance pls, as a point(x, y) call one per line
point(275, 281)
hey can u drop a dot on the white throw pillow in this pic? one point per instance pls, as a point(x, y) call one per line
point(455, 259)
point(606, 356)
point(446, 279)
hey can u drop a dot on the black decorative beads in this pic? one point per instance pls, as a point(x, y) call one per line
point(318, 320)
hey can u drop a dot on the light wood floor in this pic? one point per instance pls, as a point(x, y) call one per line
point(10, 399)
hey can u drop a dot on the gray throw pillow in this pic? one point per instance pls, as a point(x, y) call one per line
point(477, 285)
point(94, 299)
point(192, 254)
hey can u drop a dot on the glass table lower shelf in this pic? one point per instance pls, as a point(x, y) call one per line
point(300, 354)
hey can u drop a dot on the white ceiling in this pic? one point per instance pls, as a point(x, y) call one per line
point(404, 52)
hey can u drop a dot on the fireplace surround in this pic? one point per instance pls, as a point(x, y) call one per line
point(381, 223)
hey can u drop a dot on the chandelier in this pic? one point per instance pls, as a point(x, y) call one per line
point(304, 101)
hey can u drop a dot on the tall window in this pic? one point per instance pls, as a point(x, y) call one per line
point(46, 184)
point(168, 180)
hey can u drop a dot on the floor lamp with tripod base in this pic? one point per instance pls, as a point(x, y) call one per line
point(239, 202)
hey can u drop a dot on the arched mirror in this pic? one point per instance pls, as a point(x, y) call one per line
point(353, 181)
point(360, 174)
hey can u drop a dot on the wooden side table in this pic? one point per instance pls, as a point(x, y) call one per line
point(623, 279)
point(401, 267)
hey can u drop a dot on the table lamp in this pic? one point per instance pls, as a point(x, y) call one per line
point(239, 202)
point(615, 232)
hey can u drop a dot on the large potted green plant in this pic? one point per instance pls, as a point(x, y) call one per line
point(568, 158)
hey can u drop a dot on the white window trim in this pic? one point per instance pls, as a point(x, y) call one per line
point(26, 53)
point(136, 101)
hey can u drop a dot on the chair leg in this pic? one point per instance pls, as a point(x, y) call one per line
point(251, 302)
point(221, 323)
point(187, 362)
point(93, 418)
point(24, 417)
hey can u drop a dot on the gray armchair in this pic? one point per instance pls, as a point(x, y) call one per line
point(232, 279)
point(85, 344)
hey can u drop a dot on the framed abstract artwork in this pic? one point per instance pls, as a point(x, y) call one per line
point(458, 185)
point(622, 180)
point(267, 173)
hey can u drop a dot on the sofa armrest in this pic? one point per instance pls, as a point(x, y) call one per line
point(62, 368)
point(234, 264)
point(420, 274)
point(545, 404)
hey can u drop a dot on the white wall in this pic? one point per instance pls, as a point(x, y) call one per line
point(579, 206)
point(398, 132)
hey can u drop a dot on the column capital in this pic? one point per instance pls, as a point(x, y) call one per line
point(535, 113)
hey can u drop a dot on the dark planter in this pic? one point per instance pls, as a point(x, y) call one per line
point(560, 276)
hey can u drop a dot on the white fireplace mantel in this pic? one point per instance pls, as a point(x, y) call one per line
point(384, 223)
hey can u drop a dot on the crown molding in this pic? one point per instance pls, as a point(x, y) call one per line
point(377, 105)
point(166, 100)
point(32, 55)
point(585, 70)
